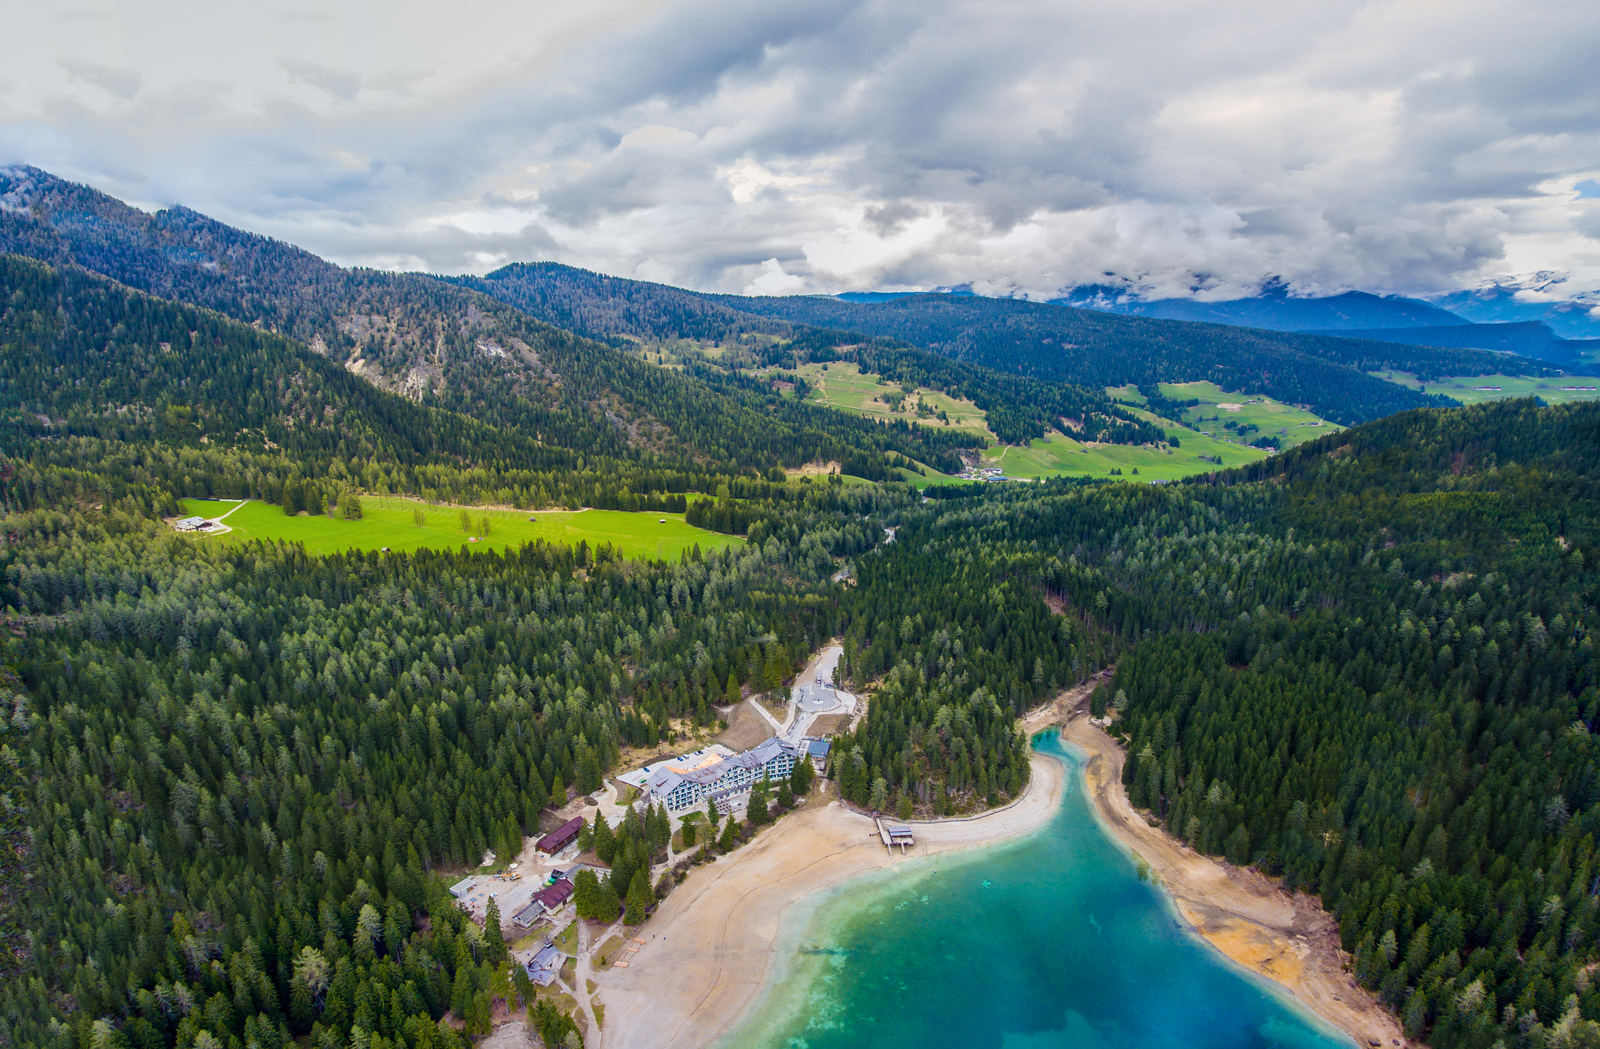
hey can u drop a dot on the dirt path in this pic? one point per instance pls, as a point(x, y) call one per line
point(1287, 938)
point(581, 975)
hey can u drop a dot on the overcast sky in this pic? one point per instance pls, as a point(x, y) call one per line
point(826, 145)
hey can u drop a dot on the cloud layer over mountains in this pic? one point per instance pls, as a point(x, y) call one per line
point(1022, 145)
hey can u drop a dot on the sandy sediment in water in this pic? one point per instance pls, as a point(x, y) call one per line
point(1287, 938)
point(709, 951)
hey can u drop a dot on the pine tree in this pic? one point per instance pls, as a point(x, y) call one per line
point(879, 798)
point(494, 942)
point(608, 906)
point(639, 897)
point(525, 989)
point(802, 776)
point(605, 841)
point(757, 809)
point(587, 892)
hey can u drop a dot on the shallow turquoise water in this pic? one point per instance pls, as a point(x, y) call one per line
point(1048, 942)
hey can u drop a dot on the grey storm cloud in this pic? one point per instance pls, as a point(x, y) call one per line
point(1020, 145)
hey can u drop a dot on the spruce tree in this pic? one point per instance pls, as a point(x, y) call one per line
point(639, 897)
point(605, 840)
point(802, 776)
point(607, 904)
point(494, 941)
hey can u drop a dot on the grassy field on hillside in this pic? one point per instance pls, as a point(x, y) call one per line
point(1217, 408)
point(1474, 389)
point(1197, 453)
point(842, 386)
point(388, 522)
point(1058, 456)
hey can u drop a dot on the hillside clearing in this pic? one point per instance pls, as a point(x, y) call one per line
point(842, 386)
point(1475, 389)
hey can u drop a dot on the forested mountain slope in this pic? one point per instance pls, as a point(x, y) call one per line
point(1367, 665)
point(445, 345)
point(599, 306)
point(108, 395)
point(1048, 341)
point(1018, 408)
point(1527, 338)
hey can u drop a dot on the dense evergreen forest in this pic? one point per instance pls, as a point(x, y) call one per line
point(529, 364)
point(1062, 344)
point(1366, 666)
point(93, 374)
point(446, 346)
point(1019, 408)
point(239, 764)
point(230, 775)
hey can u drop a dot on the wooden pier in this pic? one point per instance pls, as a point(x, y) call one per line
point(893, 835)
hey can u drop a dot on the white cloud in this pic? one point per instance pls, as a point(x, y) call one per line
point(774, 281)
point(1020, 145)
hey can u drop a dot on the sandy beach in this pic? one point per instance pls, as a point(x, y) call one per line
point(710, 948)
point(1287, 938)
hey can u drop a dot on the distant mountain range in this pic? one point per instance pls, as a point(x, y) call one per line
point(1495, 302)
point(549, 355)
point(1489, 317)
point(1274, 309)
point(1093, 348)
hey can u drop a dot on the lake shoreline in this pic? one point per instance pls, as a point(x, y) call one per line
point(713, 950)
point(717, 945)
point(1285, 938)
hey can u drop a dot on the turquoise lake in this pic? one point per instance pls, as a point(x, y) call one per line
point(1047, 942)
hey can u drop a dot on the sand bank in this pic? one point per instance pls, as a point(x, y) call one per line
point(709, 950)
point(1287, 938)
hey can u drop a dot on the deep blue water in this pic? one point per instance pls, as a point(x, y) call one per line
point(1047, 942)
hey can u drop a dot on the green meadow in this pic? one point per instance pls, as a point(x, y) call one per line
point(1474, 389)
point(1058, 456)
point(844, 387)
point(388, 522)
point(1217, 408)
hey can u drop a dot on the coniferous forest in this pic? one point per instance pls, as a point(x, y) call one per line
point(233, 774)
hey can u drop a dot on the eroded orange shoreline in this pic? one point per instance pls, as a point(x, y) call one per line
point(712, 951)
point(1289, 939)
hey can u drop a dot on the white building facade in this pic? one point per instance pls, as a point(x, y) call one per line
point(682, 788)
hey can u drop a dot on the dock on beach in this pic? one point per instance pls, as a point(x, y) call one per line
point(893, 835)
